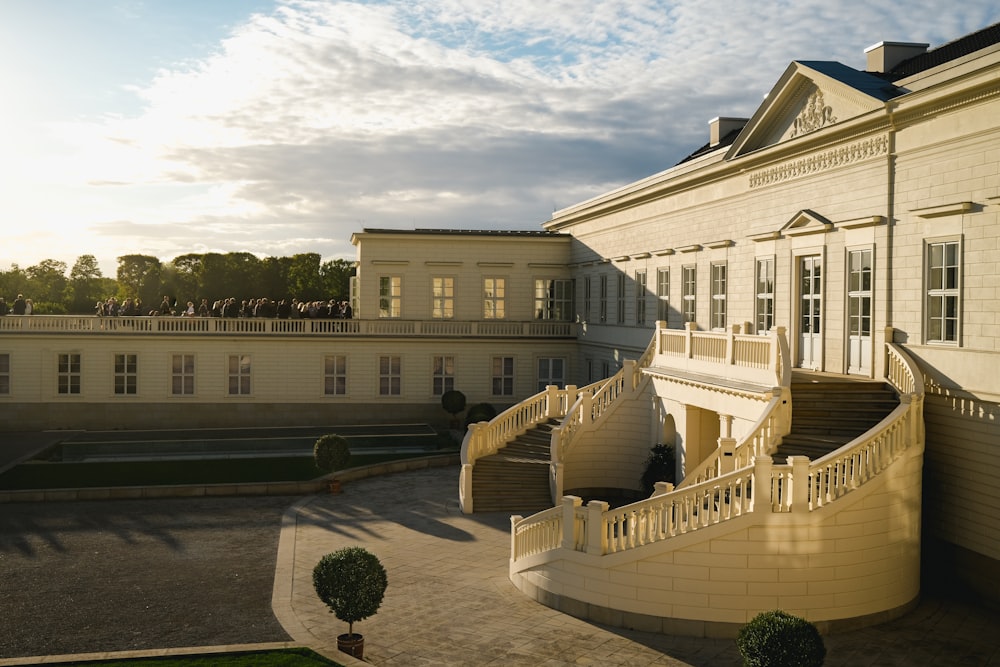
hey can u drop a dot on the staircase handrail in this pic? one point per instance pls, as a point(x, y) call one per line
point(594, 400)
point(761, 439)
point(486, 438)
point(764, 436)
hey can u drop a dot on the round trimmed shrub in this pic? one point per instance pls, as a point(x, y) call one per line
point(453, 402)
point(351, 582)
point(480, 412)
point(777, 639)
point(331, 453)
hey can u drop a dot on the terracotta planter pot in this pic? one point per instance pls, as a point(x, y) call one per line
point(352, 645)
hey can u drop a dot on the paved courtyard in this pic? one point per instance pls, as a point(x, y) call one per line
point(155, 574)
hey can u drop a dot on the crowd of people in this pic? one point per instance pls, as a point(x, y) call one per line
point(21, 306)
point(260, 307)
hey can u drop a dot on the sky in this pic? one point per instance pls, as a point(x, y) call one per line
point(167, 127)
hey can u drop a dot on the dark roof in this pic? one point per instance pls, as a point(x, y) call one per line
point(466, 232)
point(864, 82)
point(962, 46)
point(708, 148)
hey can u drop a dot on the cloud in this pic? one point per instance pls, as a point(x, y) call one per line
point(316, 119)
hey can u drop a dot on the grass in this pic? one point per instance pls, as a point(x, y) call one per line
point(294, 657)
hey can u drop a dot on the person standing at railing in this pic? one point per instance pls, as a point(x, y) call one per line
point(18, 306)
point(4, 309)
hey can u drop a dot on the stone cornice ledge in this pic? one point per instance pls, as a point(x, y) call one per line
point(956, 208)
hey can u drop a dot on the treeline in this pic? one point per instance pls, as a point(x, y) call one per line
point(57, 289)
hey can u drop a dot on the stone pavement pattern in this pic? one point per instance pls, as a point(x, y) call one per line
point(449, 601)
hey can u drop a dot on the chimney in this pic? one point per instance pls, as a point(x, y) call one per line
point(882, 57)
point(719, 127)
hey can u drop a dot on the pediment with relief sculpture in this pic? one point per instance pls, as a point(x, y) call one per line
point(810, 97)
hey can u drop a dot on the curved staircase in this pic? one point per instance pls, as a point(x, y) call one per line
point(830, 411)
point(516, 478)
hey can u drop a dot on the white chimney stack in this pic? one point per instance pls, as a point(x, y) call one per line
point(882, 57)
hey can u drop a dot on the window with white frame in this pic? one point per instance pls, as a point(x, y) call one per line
point(859, 293)
point(943, 291)
point(640, 297)
point(68, 374)
point(390, 296)
point(126, 374)
point(602, 303)
point(335, 375)
point(663, 294)
point(494, 298)
point(554, 299)
point(764, 304)
point(442, 374)
point(239, 374)
point(620, 310)
point(689, 293)
point(551, 370)
point(390, 377)
point(5, 373)
point(586, 299)
point(443, 297)
point(502, 375)
point(719, 295)
point(182, 375)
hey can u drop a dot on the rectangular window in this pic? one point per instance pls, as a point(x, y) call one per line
point(503, 376)
point(620, 310)
point(603, 301)
point(390, 379)
point(4, 374)
point(554, 300)
point(69, 374)
point(640, 297)
point(390, 296)
point(689, 294)
point(126, 374)
point(442, 375)
point(551, 371)
point(590, 371)
point(943, 291)
point(859, 293)
point(443, 298)
point(335, 375)
point(494, 298)
point(605, 368)
point(764, 305)
point(719, 296)
point(587, 295)
point(239, 374)
point(663, 294)
point(182, 375)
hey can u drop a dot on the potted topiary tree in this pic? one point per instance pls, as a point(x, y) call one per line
point(453, 402)
point(331, 453)
point(777, 639)
point(352, 583)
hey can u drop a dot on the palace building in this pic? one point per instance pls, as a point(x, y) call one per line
point(805, 309)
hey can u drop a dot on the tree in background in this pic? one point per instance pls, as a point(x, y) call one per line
point(48, 286)
point(336, 276)
point(87, 285)
point(140, 276)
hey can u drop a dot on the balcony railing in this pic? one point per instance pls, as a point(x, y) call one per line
point(289, 327)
